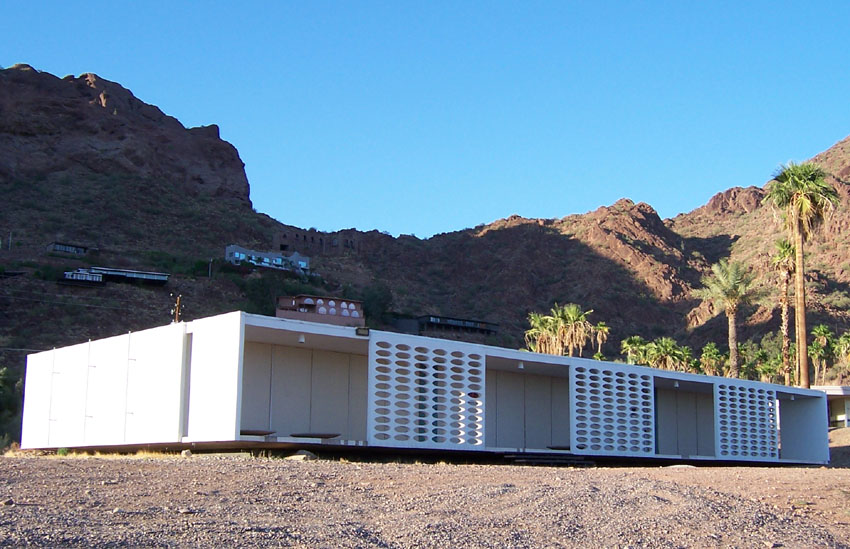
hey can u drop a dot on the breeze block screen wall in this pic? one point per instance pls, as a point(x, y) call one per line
point(613, 411)
point(425, 393)
point(746, 422)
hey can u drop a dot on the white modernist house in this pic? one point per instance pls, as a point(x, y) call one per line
point(242, 380)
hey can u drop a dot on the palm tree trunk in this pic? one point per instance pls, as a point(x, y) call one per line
point(816, 365)
point(786, 340)
point(733, 344)
point(800, 309)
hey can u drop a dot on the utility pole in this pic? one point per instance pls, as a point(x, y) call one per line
point(209, 275)
point(177, 311)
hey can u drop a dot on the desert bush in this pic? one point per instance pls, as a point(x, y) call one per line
point(50, 272)
point(377, 300)
point(838, 299)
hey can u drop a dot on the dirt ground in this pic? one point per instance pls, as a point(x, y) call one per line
point(217, 500)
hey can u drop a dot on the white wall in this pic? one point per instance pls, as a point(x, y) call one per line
point(215, 380)
point(799, 440)
point(329, 405)
point(119, 390)
point(256, 386)
point(154, 381)
point(527, 411)
point(292, 379)
point(36, 417)
point(685, 423)
point(106, 397)
point(745, 421)
point(68, 396)
point(291, 390)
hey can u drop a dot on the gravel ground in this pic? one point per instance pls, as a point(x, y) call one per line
point(237, 500)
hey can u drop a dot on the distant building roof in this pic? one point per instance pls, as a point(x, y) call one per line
point(98, 274)
point(833, 390)
point(68, 248)
point(446, 322)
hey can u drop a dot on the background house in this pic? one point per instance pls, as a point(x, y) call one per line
point(330, 310)
point(292, 262)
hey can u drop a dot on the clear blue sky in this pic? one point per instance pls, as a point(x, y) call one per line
point(428, 117)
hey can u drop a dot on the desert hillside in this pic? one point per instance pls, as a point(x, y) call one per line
point(82, 160)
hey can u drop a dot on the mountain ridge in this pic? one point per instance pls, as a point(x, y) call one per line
point(139, 185)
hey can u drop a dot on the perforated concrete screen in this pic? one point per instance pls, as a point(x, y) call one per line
point(614, 411)
point(425, 393)
point(746, 422)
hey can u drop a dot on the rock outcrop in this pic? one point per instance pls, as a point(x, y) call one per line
point(57, 128)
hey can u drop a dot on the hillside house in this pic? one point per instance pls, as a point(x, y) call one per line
point(240, 380)
point(293, 262)
point(97, 275)
point(330, 310)
point(449, 324)
point(66, 248)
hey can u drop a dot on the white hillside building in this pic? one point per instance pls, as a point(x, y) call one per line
point(246, 381)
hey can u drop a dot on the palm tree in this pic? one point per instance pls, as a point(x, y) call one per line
point(711, 360)
point(783, 262)
point(762, 366)
point(768, 369)
point(634, 347)
point(842, 351)
point(560, 333)
point(574, 330)
point(687, 362)
point(817, 352)
point(805, 198)
point(601, 330)
point(730, 286)
point(542, 336)
point(664, 353)
point(825, 339)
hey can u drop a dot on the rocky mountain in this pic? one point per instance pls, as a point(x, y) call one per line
point(83, 160)
point(75, 127)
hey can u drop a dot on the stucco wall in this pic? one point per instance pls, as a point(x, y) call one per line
point(120, 390)
point(215, 378)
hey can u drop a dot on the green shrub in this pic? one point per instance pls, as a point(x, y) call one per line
point(50, 273)
point(377, 300)
point(838, 299)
